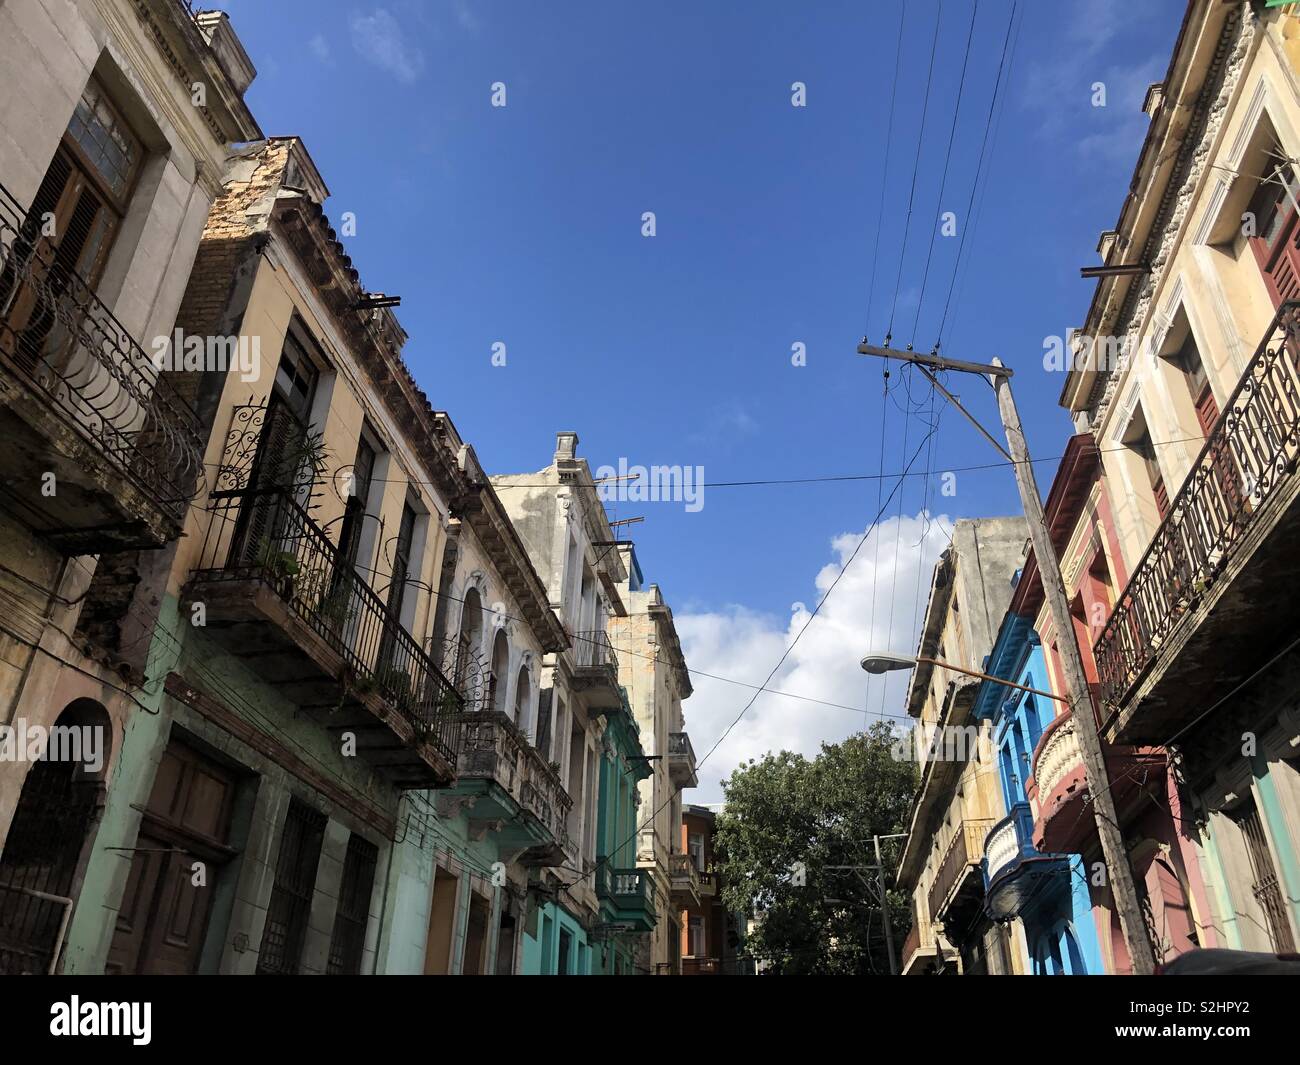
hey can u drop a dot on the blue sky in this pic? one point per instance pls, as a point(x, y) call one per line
point(522, 225)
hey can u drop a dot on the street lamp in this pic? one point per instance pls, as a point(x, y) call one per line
point(884, 662)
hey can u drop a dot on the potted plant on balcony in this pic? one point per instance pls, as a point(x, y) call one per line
point(336, 606)
point(279, 566)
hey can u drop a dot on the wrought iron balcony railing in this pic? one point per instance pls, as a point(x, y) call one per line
point(1250, 451)
point(268, 536)
point(679, 746)
point(592, 650)
point(68, 348)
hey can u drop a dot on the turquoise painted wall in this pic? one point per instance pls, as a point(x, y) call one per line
point(541, 955)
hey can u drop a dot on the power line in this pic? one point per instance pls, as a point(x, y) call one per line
point(979, 166)
point(762, 482)
point(916, 166)
point(947, 158)
point(884, 177)
point(812, 616)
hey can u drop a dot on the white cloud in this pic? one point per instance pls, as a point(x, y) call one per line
point(467, 18)
point(379, 39)
point(320, 48)
point(1059, 86)
point(744, 645)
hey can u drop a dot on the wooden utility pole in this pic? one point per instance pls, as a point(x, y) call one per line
point(1128, 905)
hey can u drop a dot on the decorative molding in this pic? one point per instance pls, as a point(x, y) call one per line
point(1234, 46)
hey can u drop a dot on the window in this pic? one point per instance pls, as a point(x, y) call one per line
point(523, 694)
point(1188, 361)
point(105, 141)
point(563, 964)
point(69, 230)
point(354, 513)
point(402, 562)
point(1265, 887)
point(295, 881)
point(296, 375)
point(500, 672)
point(354, 907)
point(1146, 451)
point(695, 937)
point(1273, 244)
point(695, 844)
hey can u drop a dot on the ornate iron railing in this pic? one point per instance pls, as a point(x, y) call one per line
point(66, 345)
point(965, 851)
point(1252, 449)
point(679, 746)
point(265, 534)
point(592, 650)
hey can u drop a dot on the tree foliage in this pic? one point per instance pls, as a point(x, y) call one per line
point(788, 823)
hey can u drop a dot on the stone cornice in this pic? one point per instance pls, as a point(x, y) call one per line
point(1121, 307)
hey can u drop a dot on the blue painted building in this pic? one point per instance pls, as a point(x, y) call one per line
point(1047, 893)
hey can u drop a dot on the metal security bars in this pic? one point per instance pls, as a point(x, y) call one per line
point(295, 882)
point(65, 345)
point(1250, 451)
point(349, 938)
point(261, 530)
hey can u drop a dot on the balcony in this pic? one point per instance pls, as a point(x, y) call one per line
point(681, 760)
point(708, 885)
point(684, 880)
point(276, 593)
point(1014, 871)
point(955, 887)
point(702, 967)
point(1185, 628)
point(922, 954)
point(629, 893)
point(596, 669)
point(102, 454)
point(513, 789)
point(1065, 822)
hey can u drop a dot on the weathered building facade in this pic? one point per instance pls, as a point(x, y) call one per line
point(562, 522)
point(957, 802)
point(628, 903)
point(712, 935)
point(1043, 863)
point(294, 698)
point(653, 670)
point(1196, 423)
point(112, 146)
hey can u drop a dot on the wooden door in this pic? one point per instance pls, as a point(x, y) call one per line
point(182, 845)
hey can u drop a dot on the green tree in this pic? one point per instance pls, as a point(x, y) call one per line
point(787, 823)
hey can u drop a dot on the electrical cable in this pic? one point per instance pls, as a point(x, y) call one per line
point(916, 166)
point(947, 159)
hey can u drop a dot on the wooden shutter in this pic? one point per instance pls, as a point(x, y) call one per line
point(1275, 245)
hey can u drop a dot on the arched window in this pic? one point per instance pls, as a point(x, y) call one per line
point(500, 671)
point(466, 668)
point(44, 852)
point(523, 700)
